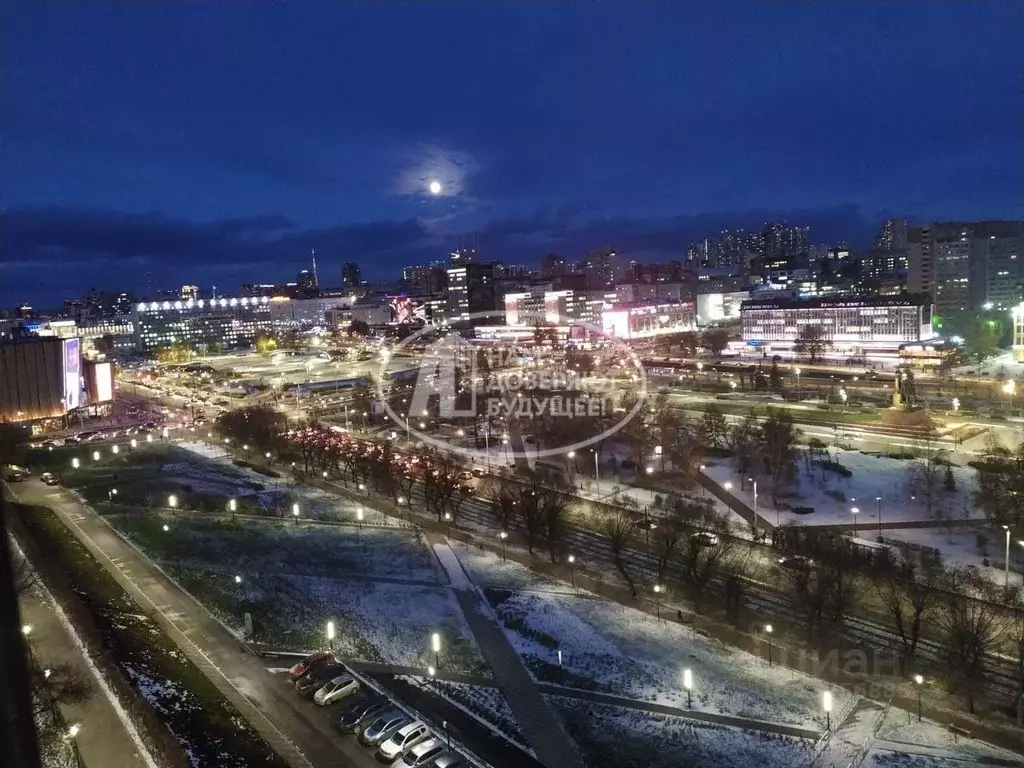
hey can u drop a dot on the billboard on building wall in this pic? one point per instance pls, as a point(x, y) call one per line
point(72, 373)
point(99, 382)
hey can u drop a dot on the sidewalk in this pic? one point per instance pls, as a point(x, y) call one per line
point(106, 737)
point(271, 707)
point(539, 725)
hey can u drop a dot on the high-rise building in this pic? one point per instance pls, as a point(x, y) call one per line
point(306, 280)
point(965, 266)
point(893, 236)
point(226, 322)
point(470, 291)
point(462, 256)
point(604, 268)
point(350, 275)
point(425, 281)
point(189, 292)
point(107, 303)
point(779, 239)
point(553, 265)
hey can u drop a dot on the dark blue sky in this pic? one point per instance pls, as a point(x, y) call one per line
point(217, 143)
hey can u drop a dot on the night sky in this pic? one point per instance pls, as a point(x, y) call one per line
point(217, 143)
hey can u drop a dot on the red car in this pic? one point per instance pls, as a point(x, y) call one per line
point(308, 663)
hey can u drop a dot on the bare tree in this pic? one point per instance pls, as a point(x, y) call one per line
point(713, 429)
point(1015, 638)
point(970, 631)
point(777, 439)
point(926, 477)
point(666, 544)
point(703, 549)
point(910, 595)
point(619, 528)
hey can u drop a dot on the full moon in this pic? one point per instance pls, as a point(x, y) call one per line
point(435, 187)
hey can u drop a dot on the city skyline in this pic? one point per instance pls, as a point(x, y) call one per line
point(226, 163)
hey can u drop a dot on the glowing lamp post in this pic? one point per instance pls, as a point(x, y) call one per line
point(854, 511)
point(435, 644)
point(826, 704)
point(919, 681)
point(115, 450)
point(95, 455)
point(504, 537)
point(172, 501)
point(688, 685)
point(295, 511)
point(330, 635)
point(657, 599)
point(75, 463)
point(768, 634)
point(572, 570)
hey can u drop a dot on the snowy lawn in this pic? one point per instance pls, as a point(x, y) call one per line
point(487, 569)
point(968, 546)
point(281, 547)
point(379, 622)
point(612, 737)
point(485, 702)
point(630, 653)
point(832, 496)
point(902, 727)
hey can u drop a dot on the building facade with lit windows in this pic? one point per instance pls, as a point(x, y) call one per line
point(851, 325)
point(647, 320)
point(230, 323)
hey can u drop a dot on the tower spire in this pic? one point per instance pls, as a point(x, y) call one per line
point(316, 280)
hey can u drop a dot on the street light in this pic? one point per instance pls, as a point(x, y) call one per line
point(504, 536)
point(115, 450)
point(26, 629)
point(435, 644)
point(768, 632)
point(920, 682)
point(854, 511)
point(134, 444)
point(688, 685)
point(572, 570)
point(826, 704)
point(75, 463)
point(295, 510)
point(330, 635)
point(727, 485)
point(111, 494)
point(172, 501)
point(879, 500)
point(149, 438)
point(1006, 572)
point(232, 506)
point(238, 579)
point(797, 372)
point(166, 527)
point(359, 532)
point(657, 599)
point(95, 455)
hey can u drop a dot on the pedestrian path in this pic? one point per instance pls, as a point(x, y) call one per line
point(540, 726)
point(106, 736)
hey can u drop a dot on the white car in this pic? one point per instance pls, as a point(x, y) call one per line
point(422, 755)
point(336, 690)
point(404, 740)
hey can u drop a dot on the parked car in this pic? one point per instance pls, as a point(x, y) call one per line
point(423, 754)
point(404, 739)
point(49, 478)
point(302, 667)
point(362, 712)
point(705, 539)
point(72, 440)
point(449, 760)
point(336, 690)
point(383, 728)
point(796, 562)
point(316, 678)
point(16, 475)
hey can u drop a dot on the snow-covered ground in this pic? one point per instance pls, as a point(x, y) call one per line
point(609, 737)
point(633, 654)
point(961, 545)
point(901, 728)
point(630, 653)
point(485, 702)
point(873, 477)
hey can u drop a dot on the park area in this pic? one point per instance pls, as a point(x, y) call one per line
point(378, 582)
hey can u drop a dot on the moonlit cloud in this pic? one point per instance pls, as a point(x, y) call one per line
point(428, 162)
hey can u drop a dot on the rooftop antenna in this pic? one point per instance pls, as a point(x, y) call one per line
point(316, 280)
point(215, 291)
